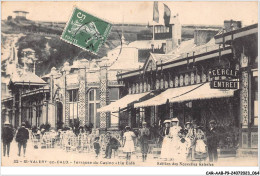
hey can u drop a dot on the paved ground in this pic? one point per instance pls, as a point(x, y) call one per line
point(58, 157)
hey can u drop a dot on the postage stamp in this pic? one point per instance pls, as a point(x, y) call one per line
point(86, 31)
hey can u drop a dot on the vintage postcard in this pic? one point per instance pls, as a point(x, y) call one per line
point(129, 83)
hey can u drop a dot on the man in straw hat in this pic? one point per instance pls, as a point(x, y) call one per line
point(7, 137)
point(21, 137)
point(212, 140)
point(144, 134)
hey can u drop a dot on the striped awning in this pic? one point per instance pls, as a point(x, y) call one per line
point(122, 103)
point(203, 91)
point(162, 97)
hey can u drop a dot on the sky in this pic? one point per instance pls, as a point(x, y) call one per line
point(207, 13)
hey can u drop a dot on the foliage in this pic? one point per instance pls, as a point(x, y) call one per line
point(27, 124)
point(59, 124)
point(34, 129)
point(45, 126)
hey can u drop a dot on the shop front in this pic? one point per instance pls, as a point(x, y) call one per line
point(201, 85)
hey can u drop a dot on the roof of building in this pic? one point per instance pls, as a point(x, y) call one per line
point(162, 58)
point(146, 44)
point(20, 77)
point(17, 11)
point(188, 47)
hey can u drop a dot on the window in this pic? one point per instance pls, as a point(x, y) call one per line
point(155, 29)
point(167, 29)
point(3, 86)
point(93, 105)
point(74, 96)
point(113, 94)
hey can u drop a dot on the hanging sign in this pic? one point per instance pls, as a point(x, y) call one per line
point(223, 78)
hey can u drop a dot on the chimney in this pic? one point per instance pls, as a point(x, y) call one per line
point(169, 45)
point(230, 25)
point(203, 36)
point(176, 31)
point(152, 46)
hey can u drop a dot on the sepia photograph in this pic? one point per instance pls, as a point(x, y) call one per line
point(141, 83)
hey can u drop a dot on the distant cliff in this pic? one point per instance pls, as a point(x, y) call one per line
point(44, 39)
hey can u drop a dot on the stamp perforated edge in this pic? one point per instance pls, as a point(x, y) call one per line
point(68, 22)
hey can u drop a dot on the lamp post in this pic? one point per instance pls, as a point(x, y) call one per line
point(66, 70)
point(46, 102)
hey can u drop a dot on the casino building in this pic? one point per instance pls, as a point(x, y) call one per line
point(213, 76)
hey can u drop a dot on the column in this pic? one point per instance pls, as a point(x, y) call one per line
point(244, 107)
point(103, 96)
point(130, 119)
point(7, 115)
point(13, 112)
point(20, 108)
point(82, 95)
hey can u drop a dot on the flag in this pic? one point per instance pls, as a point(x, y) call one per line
point(155, 12)
point(167, 15)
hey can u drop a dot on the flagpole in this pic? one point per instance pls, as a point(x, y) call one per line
point(153, 32)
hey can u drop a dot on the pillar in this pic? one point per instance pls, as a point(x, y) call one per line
point(82, 95)
point(20, 108)
point(7, 116)
point(13, 112)
point(103, 96)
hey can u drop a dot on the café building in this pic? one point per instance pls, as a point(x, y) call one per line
point(201, 79)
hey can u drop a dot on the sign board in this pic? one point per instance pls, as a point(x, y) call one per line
point(223, 78)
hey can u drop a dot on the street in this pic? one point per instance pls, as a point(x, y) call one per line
point(58, 157)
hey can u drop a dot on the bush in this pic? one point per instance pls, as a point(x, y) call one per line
point(47, 127)
point(27, 124)
point(34, 129)
point(59, 124)
point(42, 126)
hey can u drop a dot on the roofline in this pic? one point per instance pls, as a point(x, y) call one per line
point(7, 99)
point(238, 33)
point(20, 11)
point(203, 56)
point(29, 83)
point(33, 92)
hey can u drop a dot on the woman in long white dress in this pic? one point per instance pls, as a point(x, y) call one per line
point(175, 139)
point(166, 144)
point(128, 142)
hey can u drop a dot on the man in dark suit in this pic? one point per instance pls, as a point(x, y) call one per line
point(144, 134)
point(7, 137)
point(212, 140)
point(21, 137)
point(112, 144)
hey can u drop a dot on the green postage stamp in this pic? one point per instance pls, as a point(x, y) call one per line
point(86, 31)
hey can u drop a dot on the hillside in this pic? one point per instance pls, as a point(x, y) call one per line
point(50, 51)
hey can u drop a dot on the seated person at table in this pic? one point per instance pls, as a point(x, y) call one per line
point(112, 144)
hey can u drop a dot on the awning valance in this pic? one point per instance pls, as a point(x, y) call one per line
point(203, 91)
point(162, 97)
point(122, 103)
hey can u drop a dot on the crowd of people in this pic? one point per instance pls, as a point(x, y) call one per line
point(190, 142)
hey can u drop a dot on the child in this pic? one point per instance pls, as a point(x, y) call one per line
point(183, 145)
point(96, 146)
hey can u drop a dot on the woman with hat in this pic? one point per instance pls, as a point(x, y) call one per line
point(174, 134)
point(166, 144)
point(7, 137)
point(199, 150)
point(144, 133)
point(128, 142)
